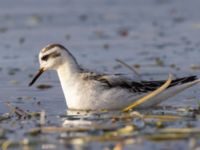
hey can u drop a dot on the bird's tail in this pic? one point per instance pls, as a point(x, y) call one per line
point(183, 80)
point(175, 87)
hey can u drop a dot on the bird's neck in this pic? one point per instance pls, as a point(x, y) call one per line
point(68, 74)
point(67, 71)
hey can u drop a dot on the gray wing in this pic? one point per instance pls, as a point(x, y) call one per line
point(120, 81)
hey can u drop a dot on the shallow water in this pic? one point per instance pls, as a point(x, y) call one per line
point(155, 36)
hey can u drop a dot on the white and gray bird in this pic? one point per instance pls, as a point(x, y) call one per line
point(85, 90)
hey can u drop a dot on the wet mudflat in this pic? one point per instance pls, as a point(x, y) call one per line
point(155, 37)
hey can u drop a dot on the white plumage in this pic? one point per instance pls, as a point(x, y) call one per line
point(86, 90)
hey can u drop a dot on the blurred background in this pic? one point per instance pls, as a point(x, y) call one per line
point(153, 36)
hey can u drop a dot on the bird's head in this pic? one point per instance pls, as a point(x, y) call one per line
point(51, 57)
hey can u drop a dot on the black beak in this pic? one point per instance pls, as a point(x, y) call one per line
point(40, 71)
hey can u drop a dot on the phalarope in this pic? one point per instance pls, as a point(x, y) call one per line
point(85, 90)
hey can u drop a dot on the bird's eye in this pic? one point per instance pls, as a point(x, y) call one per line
point(45, 57)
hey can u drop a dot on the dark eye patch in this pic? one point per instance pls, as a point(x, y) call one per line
point(45, 57)
point(52, 55)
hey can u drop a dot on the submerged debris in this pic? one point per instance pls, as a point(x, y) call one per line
point(42, 118)
point(195, 67)
point(122, 130)
point(159, 62)
point(20, 113)
point(22, 40)
point(5, 116)
point(44, 86)
point(13, 71)
point(123, 32)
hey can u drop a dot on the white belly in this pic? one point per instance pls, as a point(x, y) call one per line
point(87, 96)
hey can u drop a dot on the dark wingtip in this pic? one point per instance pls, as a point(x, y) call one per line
point(189, 79)
point(183, 80)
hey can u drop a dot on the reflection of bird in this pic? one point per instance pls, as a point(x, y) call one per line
point(86, 90)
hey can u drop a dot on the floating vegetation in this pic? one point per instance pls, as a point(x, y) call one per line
point(24, 143)
point(129, 67)
point(174, 134)
point(118, 127)
point(34, 20)
point(5, 116)
point(157, 37)
point(195, 67)
point(20, 113)
point(14, 82)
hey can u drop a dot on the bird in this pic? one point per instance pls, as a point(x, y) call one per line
point(88, 90)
